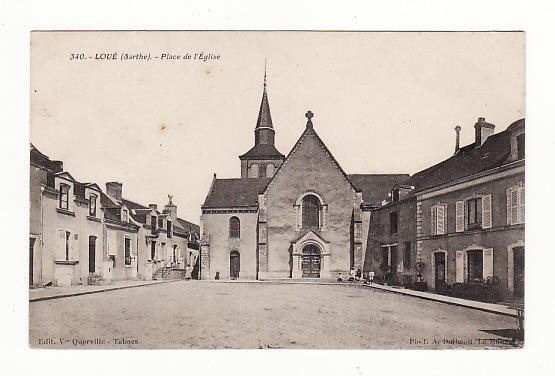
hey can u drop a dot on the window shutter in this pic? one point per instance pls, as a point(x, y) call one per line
point(441, 219)
point(73, 248)
point(112, 244)
point(459, 267)
point(61, 245)
point(460, 216)
point(521, 205)
point(486, 211)
point(514, 206)
point(433, 217)
point(488, 262)
point(509, 210)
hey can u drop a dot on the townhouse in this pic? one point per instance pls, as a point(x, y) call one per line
point(82, 235)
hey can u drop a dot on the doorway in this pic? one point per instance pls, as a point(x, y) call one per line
point(234, 264)
point(92, 254)
point(518, 254)
point(31, 259)
point(439, 272)
point(311, 261)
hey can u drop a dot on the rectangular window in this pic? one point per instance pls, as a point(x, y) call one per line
point(474, 213)
point(161, 223)
point(127, 251)
point(169, 226)
point(393, 223)
point(124, 216)
point(92, 205)
point(153, 222)
point(475, 265)
point(64, 196)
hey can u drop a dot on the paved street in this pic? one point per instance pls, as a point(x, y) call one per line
point(201, 314)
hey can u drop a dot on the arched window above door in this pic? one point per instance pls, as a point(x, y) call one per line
point(234, 228)
point(311, 212)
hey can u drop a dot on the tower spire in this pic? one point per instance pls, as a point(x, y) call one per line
point(264, 75)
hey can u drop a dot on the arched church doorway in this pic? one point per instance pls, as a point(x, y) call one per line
point(311, 261)
point(234, 264)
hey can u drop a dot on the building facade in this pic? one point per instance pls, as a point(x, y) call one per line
point(298, 216)
point(81, 235)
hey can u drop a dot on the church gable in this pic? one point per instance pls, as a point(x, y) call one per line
point(310, 161)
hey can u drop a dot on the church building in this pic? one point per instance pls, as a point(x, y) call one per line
point(299, 216)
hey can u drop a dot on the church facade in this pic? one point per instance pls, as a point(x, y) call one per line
point(298, 216)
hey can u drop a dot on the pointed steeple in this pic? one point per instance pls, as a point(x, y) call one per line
point(264, 117)
point(263, 159)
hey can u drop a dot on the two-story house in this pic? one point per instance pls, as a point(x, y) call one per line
point(391, 246)
point(470, 212)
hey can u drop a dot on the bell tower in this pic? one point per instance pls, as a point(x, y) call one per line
point(263, 159)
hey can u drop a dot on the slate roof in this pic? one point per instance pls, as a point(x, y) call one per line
point(264, 151)
point(376, 187)
point(264, 116)
point(469, 160)
point(188, 226)
point(232, 193)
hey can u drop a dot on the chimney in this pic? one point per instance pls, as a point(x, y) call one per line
point(114, 189)
point(153, 206)
point(483, 131)
point(171, 208)
point(457, 139)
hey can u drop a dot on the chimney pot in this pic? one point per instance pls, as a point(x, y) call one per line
point(457, 140)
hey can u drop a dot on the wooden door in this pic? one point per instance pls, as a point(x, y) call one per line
point(31, 259)
point(92, 254)
point(518, 254)
point(311, 262)
point(439, 272)
point(234, 264)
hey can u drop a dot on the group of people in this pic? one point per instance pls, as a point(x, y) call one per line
point(356, 275)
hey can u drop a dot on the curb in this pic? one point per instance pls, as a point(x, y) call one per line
point(50, 297)
point(461, 303)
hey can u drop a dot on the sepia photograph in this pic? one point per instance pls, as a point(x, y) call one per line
point(277, 190)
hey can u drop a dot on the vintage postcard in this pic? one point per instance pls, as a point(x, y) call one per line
point(277, 190)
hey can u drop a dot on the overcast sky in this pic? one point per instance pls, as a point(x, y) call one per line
point(383, 102)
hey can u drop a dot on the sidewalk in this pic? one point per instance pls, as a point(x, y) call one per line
point(486, 307)
point(47, 293)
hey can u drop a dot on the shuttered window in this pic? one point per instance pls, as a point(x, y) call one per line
point(127, 251)
point(515, 206)
point(486, 211)
point(439, 219)
point(460, 216)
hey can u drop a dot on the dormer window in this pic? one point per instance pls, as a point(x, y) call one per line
point(124, 215)
point(92, 205)
point(64, 196)
point(169, 227)
point(153, 221)
point(395, 195)
point(520, 144)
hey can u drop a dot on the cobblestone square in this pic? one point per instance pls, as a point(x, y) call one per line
point(212, 315)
